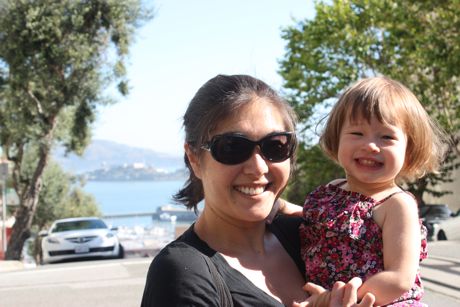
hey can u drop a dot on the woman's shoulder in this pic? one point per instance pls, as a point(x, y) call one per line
point(175, 252)
point(286, 229)
point(188, 248)
point(286, 223)
point(178, 276)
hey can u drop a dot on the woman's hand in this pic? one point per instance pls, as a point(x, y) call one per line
point(341, 295)
point(346, 295)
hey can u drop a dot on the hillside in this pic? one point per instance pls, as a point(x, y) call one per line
point(102, 154)
point(134, 173)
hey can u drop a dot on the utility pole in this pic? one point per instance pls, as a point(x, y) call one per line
point(3, 177)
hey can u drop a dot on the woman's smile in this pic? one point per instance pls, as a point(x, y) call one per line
point(252, 190)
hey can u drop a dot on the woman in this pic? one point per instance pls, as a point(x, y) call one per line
point(239, 147)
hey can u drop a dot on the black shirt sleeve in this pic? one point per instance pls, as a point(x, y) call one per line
point(179, 276)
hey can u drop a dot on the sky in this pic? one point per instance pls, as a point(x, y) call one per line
point(184, 45)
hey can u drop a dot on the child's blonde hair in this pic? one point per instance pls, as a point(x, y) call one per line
point(389, 102)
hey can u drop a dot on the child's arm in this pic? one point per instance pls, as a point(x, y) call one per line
point(288, 208)
point(398, 219)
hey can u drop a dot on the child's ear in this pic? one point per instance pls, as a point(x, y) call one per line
point(194, 160)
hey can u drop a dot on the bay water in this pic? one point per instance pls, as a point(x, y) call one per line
point(124, 197)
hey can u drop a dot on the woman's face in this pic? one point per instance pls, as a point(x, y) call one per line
point(244, 192)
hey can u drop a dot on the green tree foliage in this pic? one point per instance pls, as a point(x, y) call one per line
point(415, 42)
point(312, 169)
point(56, 58)
point(61, 197)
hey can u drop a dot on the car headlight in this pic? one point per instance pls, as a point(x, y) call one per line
point(110, 235)
point(52, 240)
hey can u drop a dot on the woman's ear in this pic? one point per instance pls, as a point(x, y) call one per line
point(193, 159)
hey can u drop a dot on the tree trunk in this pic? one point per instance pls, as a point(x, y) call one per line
point(28, 204)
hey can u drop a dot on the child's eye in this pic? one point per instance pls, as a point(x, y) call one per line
point(388, 137)
point(356, 133)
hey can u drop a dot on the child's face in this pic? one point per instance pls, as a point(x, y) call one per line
point(372, 153)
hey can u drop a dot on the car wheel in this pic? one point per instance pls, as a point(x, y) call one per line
point(121, 252)
point(441, 236)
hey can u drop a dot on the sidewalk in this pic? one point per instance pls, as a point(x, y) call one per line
point(441, 270)
point(10, 265)
point(442, 275)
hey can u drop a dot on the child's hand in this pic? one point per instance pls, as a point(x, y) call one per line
point(319, 297)
point(288, 208)
point(341, 295)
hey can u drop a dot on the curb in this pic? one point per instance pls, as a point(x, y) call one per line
point(10, 265)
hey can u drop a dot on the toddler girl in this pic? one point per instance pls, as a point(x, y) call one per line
point(366, 225)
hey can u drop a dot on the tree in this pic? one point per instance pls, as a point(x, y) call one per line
point(415, 42)
point(61, 197)
point(312, 169)
point(56, 58)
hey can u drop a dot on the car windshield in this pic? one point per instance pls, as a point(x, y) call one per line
point(79, 225)
point(435, 211)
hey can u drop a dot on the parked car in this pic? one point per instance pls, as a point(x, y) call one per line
point(448, 229)
point(80, 237)
point(433, 214)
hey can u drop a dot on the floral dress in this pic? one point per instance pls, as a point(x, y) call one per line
point(340, 240)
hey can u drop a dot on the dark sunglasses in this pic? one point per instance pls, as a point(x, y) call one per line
point(235, 148)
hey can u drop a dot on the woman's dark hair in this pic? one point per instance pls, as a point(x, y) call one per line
point(218, 99)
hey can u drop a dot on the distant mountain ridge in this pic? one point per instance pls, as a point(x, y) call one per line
point(103, 154)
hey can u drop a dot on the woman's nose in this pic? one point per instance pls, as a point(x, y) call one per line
point(256, 164)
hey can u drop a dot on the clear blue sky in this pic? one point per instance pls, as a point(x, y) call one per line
point(183, 46)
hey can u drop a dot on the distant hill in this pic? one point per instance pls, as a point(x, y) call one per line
point(134, 172)
point(105, 154)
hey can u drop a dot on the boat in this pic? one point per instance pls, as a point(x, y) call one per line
point(174, 213)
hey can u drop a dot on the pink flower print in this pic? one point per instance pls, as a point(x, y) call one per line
point(348, 258)
point(365, 267)
point(316, 262)
point(367, 256)
point(353, 267)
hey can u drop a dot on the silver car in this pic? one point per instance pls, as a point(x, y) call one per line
point(80, 237)
point(449, 229)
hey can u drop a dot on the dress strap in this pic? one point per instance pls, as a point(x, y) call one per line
point(341, 183)
point(388, 197)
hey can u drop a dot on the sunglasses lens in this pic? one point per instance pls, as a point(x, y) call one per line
point(231, 149)
point(234, 149)
point(277, 148)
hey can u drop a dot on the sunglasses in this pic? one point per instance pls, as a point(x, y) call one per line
point(235, 148)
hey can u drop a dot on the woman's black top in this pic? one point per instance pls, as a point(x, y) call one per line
point(179, 275)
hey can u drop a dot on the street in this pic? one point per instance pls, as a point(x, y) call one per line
point(114, 283)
